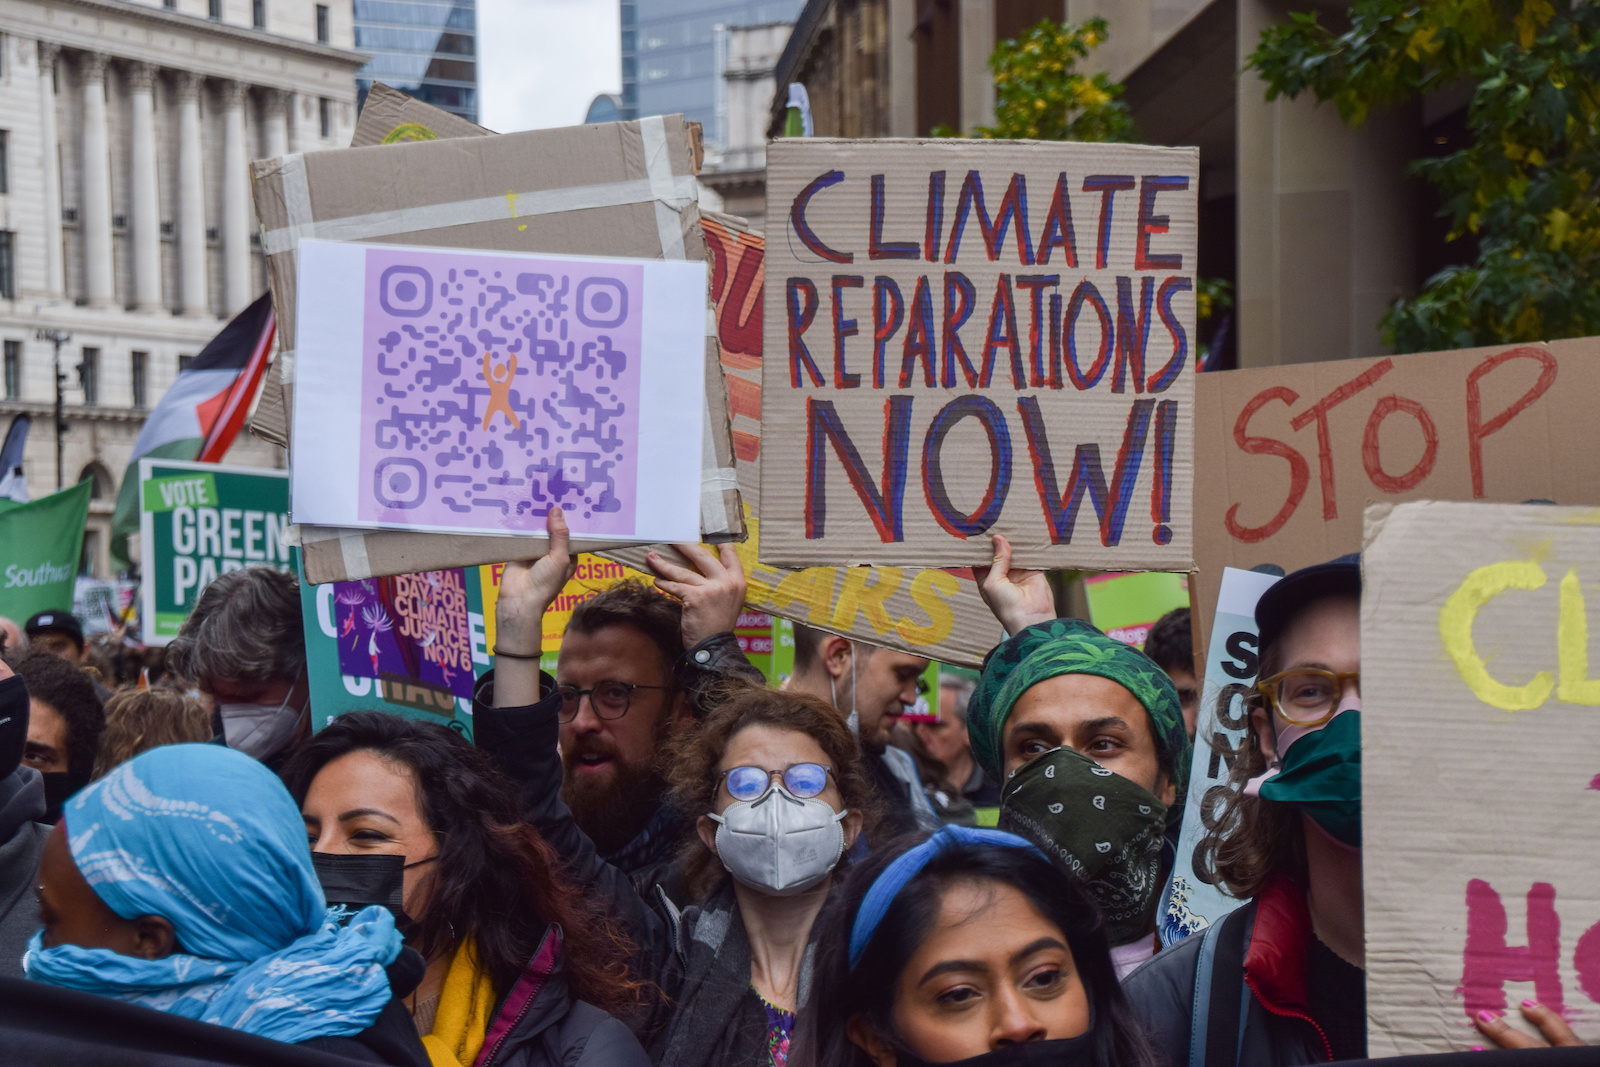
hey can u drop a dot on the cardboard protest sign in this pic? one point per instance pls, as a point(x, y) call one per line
point(620, 189)
point(1480, 747)
point(954, 358)
point(487, 388)
point(410, 644)
point(1287, 456)
point(199, 520)
point(1192, 901)
point(41, 544)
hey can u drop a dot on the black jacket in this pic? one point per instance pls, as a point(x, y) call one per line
point(538, 1024)
point(1258, 963)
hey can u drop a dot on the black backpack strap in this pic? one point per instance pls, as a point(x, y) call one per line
point(1217, 1023)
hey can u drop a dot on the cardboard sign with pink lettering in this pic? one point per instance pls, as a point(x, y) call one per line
point(472, 391)
point(1480, 743)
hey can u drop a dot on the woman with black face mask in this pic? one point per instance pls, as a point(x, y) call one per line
point(523, 967)
point(965, 947)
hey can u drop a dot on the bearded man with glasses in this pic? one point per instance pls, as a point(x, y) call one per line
point(635, 667)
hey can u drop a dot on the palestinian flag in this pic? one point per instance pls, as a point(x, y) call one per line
point(203, 410)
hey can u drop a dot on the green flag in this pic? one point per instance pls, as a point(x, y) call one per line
point(41, 543)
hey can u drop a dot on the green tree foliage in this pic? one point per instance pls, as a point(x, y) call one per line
point(1040, 95)
point(1528, 185)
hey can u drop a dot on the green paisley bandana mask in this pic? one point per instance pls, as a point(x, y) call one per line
point(1103, 828)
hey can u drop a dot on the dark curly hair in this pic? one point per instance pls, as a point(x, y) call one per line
point(695, 757)
point(839, 993)
point(497, 881)
point(1170, 642)
point(70, 690)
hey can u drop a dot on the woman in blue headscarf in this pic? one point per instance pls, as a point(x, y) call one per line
point(182, 882)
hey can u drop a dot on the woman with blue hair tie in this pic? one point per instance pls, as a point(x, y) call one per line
point(969, 947)
point(182, 882)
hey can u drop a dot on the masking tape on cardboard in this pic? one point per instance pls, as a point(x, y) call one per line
point(680, 192)
point(353, 547)
point(296, 192)
point(663, 184)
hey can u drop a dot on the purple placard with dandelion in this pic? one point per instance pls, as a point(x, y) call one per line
point(408, 632)
point(495, 388)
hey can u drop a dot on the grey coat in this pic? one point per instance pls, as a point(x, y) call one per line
point(21, 841)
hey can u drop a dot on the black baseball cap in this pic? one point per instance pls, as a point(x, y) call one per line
point(1279, 604)
point(61, 622)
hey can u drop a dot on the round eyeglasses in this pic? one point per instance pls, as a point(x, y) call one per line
point(1306, 696)
point(803, 780)
point(610, 700)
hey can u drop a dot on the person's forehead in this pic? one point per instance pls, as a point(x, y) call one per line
point(1327, 630)
point(899, 662)
point(365, 780)
point(619, 653)
point(772, 747)
point(1069, 701)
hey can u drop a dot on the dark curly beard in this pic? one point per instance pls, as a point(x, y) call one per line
point(612, 812)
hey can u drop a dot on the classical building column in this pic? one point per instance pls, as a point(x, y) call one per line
point(50, 167)
point(94, 217)
point(195, 287)
point(278, 105)
point(235, 202)
point(146, 202)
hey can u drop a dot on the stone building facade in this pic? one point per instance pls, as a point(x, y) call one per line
point(126, 219)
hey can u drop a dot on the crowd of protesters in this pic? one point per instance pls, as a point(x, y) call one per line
point(653, 858)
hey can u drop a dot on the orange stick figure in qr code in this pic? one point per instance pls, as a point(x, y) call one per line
point(500, 390)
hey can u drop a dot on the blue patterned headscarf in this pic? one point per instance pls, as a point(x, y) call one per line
point(208, 839)
point(1072, 646)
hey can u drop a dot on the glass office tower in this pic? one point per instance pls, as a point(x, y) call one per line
point(669, 54)
point(427, 48)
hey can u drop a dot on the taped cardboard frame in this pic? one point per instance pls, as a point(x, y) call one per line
point(303, 196)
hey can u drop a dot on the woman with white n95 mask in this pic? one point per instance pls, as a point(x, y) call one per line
point(780, 787)
point(775, 788)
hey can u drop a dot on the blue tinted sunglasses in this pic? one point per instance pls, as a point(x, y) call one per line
point(803, 780)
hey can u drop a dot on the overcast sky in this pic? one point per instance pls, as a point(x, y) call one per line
point(542, 61)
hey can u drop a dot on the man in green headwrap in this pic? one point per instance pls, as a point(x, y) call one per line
point(1087, 736)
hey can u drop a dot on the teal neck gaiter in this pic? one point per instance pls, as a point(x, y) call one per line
point(1321, 775)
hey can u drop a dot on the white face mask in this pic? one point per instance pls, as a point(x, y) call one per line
point(260, 731)
point(780, 844)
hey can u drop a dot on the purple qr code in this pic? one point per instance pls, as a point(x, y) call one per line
point(496, 388)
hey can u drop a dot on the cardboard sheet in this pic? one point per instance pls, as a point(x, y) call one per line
point(1480, 737)
point(643, 176)
point(1288, 456)
point(976, 337)
point(390, 116)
